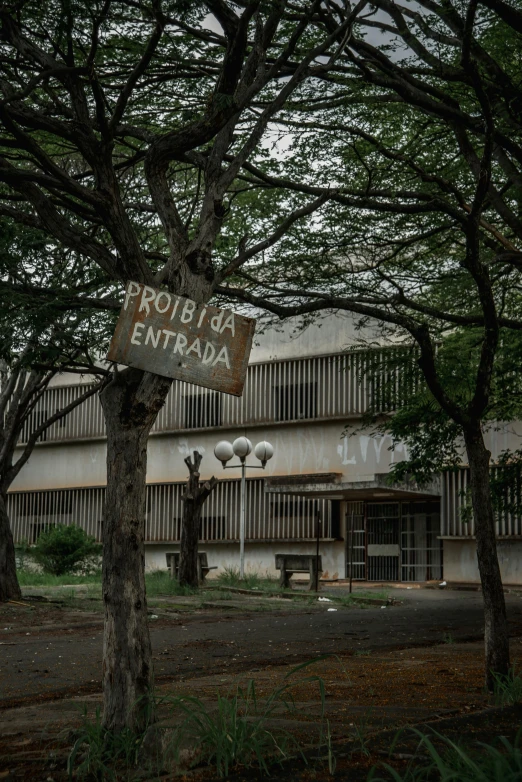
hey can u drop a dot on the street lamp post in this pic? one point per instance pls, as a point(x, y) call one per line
point(242, 447)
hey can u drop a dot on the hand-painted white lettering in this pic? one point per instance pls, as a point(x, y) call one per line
point(148, 295)
point(174, 308)
point(343, 452)
point(223, 357)
point(152, 337)
point(168, 334)
point(181, 342)
point(195, 348)
point(215, 322)
point(131, 291)
point(229, 324)
point(188, 311)
point(136, 333)
point(210, 352)
point(158, 299)
point(200, 321)
point(364, 441)
point(378, 446)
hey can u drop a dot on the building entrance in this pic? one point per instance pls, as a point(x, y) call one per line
point(395, 541)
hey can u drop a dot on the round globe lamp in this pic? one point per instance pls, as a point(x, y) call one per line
point(242, 447)
point(224, 452)
point(264, 451)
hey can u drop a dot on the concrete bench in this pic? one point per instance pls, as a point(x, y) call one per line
point(288, 564)
point(203, 566)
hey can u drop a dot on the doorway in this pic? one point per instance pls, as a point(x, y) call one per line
point(393, 541)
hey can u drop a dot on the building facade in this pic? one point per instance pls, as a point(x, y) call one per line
point(306, 392)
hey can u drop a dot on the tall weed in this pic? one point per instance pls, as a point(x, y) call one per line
point(507, 690)
point(454, 763)
point(99, 754)
point(239, 731)
point(235, 731)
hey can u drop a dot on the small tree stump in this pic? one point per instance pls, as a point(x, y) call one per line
point(193, 499)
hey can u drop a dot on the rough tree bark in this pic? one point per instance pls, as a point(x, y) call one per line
point(131, 403)
point(193, 500)
point(496, 630)
point(9, 587)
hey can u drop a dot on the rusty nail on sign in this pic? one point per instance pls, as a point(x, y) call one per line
point(172, 336)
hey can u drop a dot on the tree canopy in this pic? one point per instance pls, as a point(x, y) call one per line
point(123, 130)
point(297, 156)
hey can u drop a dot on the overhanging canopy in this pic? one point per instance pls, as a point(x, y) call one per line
point(331, 486)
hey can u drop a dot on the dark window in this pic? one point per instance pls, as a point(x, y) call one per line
point(202, 410)
point(297, 507)
point(295, 402)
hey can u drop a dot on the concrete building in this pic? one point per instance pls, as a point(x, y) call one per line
point(305, 393)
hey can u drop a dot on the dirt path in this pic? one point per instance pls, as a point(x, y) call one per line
point(384, 672)
point(53, 651)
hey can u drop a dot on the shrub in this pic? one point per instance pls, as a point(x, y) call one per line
point(64, 549)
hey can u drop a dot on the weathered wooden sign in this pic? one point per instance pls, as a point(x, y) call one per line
point(175, 337)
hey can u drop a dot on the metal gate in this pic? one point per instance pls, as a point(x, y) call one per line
point(393, 541)
point(382, 529)
point(355, 541)
point(421, 550)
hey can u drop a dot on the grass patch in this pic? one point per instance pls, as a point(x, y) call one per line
point(238, 731)
point(507, 690)
point(230, 577)
point(452, 762)
point(235, 731)
point(159, 582)
point(99, 754)
point(28, 578)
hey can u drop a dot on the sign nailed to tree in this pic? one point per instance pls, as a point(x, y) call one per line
point(175, 337)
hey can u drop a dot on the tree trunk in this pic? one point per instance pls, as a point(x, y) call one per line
point(131, 403)
point(496, 631)
point(193, 500)
point(9, 587)
point(188, 574)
